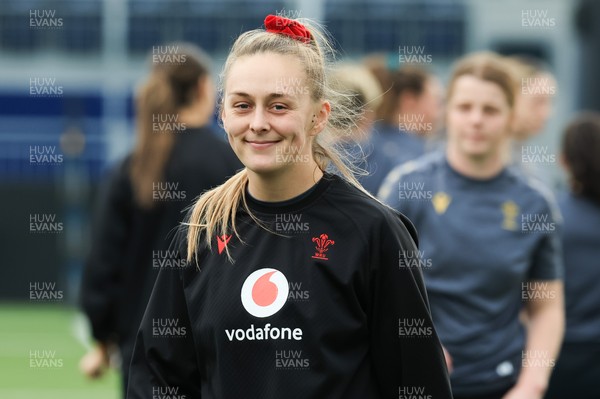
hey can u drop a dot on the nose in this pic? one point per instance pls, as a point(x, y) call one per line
point(259, 122)
point(476, 116)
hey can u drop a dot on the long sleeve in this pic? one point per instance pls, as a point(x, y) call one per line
point(406, 352)
point(164, 359)
point(101, 281)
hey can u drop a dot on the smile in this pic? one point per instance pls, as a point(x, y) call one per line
point(262, 144)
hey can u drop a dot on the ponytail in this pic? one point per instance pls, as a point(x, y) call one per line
point(170, 87)
point(153, 146)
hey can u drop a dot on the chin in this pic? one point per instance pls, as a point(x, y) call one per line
point(263, 168)
point(476, 151)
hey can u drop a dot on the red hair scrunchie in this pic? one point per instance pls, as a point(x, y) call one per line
point(288, 27)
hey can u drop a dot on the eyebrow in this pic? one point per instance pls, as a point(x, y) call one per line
point(269, 96)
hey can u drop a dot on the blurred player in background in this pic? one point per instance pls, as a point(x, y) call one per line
point(577, 372)
point(489, 242)
point(533, 107)
point(536, 89)
point(410, 112)
point(360, 91)
point(176, 157)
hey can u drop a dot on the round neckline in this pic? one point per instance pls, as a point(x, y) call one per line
point(293, 204)
point(486, 180)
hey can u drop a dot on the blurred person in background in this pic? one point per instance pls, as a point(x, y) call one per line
point(484, 254)
point(361, 94)
point(577, 371)
point(410, 112)
point(378, 65)
point(533, 107)
point(176, 157)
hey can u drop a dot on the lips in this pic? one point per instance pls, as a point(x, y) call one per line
point(475, 137)
point(262, 144)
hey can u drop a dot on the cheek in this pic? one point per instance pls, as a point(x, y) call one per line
point(233, 125)
point(292, 128)
point(501, 126)
point(454, 119)
point(452, 130)
point(230, 140)
point(543, 107)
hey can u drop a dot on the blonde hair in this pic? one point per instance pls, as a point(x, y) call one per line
point(360, 83)
point(170, 87)
point(490, 67)
point(214, 213)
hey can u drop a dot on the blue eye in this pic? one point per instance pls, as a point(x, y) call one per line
point(279, 107)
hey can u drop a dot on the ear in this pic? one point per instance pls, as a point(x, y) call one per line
point(320, 118)
point(222, 113)
point(223, 116)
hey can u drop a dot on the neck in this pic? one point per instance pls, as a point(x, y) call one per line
point(483, 167)
point(275, 187)
point(195, 115)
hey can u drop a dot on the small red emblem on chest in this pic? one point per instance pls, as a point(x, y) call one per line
point(323, 244)
point(222, 242)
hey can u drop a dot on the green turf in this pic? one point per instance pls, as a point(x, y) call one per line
point(47, 330)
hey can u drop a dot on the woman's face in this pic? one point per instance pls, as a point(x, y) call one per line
point(478, 117)
point(268, 113)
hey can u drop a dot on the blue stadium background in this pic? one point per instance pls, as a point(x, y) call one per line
point(99, 54)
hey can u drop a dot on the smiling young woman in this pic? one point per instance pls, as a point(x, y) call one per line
point(277, 118)
point(302, 295)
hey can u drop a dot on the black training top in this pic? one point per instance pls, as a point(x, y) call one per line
point(316, 308)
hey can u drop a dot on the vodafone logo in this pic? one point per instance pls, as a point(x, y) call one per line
point(264, 292)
